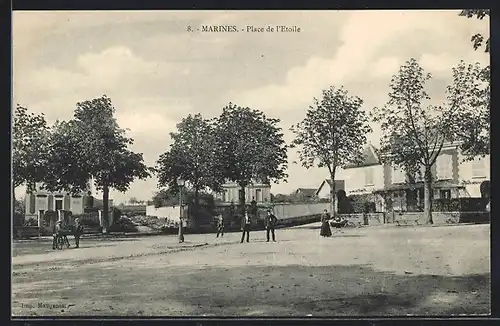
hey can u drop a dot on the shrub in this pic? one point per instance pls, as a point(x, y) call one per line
point(123, 224)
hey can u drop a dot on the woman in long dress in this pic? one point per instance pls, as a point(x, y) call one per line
point(325, 227)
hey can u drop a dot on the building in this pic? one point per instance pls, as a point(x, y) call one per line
point(453, 177)
point(259, 191)
point(41, 200)
point(323, 191)
point(305, 194)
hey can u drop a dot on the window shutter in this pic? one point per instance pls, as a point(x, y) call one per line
point(32, 204)
point(51, 203)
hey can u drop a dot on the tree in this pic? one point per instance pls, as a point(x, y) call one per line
point(414, 133)
point(102, 156)
point(249, 147)
point(478, 39)
point(30, 143)
point(191, 156)
point(473, 128)
point(332, 134)
point(470, 94)
point(133, 200)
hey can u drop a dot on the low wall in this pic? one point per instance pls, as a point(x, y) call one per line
point(447, 217)
point(287, 211)
point(365, 219)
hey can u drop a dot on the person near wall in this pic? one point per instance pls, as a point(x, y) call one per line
point(78, 232)
point(270, 223)
point(246, 222)
point(220, 226)
point(325, 226)
point(253, 208)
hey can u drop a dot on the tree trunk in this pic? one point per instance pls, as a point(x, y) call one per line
point(242, 200)
point(196, 204)
point(428, 195)
point(332, 193)
point(105, 208)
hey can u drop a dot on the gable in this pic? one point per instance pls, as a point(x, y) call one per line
point(370, 157)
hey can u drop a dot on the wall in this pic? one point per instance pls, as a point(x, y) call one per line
point(371, 218)
point(283, 211)
point(170, 213)
point(466, 176)
point(439, 218)
point(355, 179)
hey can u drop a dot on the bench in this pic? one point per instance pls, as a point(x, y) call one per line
point(408, 221)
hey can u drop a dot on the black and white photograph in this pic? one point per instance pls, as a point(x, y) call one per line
point(251, 163)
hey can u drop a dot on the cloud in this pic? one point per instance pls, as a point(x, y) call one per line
point(365, 35)
point(386, 67)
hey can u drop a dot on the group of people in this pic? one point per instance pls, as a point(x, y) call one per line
point(338, 222)
point(270, 222)
point(58, 232)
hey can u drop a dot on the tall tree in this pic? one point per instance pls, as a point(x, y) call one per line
point(332, 134)
point(191, 156)
point(473, 125)
point(414, 133)
point(249, 147)
point(30, 148)
point(470, 94)
point(103, 153)
point(478, 39)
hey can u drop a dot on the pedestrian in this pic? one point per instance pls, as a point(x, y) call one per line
point(55, 232)
point(65, 237)
point(270, 223)
point(220, 226)
point(325, 227)
point(78, 232)
point(246, 222)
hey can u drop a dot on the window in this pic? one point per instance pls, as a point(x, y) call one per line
point(444, 167)
point(478, 168)
point(59, 204)
point(445, 194)
point(258, 195)
point(398, 175)
point(368, 176)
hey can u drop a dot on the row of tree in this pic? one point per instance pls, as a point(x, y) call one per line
point(66, 155)
point(243, 145)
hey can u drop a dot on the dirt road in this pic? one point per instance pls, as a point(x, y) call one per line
point(368, 271)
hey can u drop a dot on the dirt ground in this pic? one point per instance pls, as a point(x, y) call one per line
point(367, 271)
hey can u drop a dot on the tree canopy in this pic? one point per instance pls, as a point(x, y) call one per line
point(191, 156)
point(333, 132)
point(478, 39)
point(249, 146)
point(30, 148)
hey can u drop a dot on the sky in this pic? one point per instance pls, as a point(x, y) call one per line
point(156, 72)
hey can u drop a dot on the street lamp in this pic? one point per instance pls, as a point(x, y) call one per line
point(180, 183)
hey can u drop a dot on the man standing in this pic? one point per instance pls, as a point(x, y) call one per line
point(78, 232)
point(220, 226)
point(245, 226)
point(270, 223)
point(253, 208)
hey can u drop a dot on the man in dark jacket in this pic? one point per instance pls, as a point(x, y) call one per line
point(246, 222)
point(78, 231)
point(270, 223)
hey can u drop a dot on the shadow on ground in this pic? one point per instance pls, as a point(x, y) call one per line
point(293, 290)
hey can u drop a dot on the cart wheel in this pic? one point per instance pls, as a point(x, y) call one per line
point(60, 242)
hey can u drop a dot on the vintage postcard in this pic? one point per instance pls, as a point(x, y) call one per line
point(251, 163)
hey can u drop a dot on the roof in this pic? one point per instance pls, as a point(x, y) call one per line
point(329, 182)
point(306, 191)
point(370, 157)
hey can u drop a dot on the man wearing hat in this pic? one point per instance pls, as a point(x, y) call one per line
point(270, 222)
point(78, 232)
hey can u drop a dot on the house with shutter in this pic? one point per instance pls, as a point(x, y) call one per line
point(257, 190)
point(365, 178)
point(41, 200)
point(453, 177)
